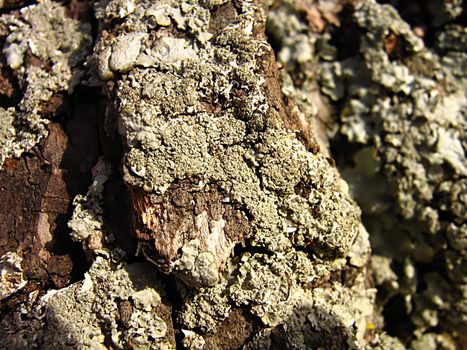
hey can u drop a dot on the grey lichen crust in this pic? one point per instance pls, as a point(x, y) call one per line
point(404, 113)
point(189, 85)
point(86, 223)
point(44, 48)
point(411, 112)
point(269, 230)
point(112, 307)
point(241, 147)
point(334, 317)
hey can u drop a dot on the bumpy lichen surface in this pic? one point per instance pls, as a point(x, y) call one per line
point(44, 48)
point(402, 117)
point(241, 147)
point(112, 307)
point(190, 90)
point(413, 112)
point(257, 223)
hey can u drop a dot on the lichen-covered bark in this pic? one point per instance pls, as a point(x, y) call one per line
point(44, 49)
point(229, 190)
point(230, 193)
point(247, 236)
point(399, 106)
point(115, 307)
point(43, 52)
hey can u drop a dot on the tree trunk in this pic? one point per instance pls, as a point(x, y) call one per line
point(167, 179)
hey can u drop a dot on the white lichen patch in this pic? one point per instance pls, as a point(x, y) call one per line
point(59, 44)
point(125, 51)
point(117, 304)
point(192, 341)
point(11, 274)
point(450, 148)
point(86, 222)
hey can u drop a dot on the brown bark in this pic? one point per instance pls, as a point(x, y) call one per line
point(36, 195)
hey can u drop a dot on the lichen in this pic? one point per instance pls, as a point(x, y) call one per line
point(86, 223)
point(118, 305)
point(193, 108)
point(299, 50)
point(255, 219)
point(192, 341)
point(206, 308)
point(399, 118)
point(45, 50)
point(195, 268)
point(334, 317)
point(162, 112)
point(7, 133)
point(433, 341)
point(413, 119)
point(11, 274)
point(383, 341)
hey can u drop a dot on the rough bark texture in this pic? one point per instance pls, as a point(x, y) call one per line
point(196, 203)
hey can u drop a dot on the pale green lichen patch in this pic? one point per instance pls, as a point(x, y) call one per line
point(272, 302)
point(192, 104)
point(173, 136)
point(404, 111)
point(206, 308)
point(335, 317)
point(277, 288)
point(401, 107)
point(115, 307)
point(59, 44)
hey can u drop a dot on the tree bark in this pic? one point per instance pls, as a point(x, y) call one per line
point(167, 180)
